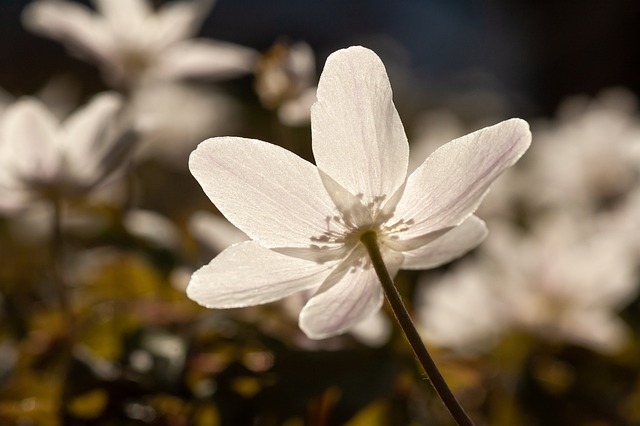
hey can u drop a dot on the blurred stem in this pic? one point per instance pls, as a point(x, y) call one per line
point(370, 241)
point(56, 260)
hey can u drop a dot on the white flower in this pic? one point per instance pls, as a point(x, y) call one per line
point(589, 157)
point(564, 282)
point(130, 40)
point(171, 133)
point(285, 80)
point(305, 222)
point(38, 154)
point(460, 311)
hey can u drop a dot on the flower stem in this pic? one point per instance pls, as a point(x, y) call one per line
point(56, 260)
point(370, 241)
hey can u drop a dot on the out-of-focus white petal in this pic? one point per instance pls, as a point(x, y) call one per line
point(73, 24)
point(358, 138)
point(271, 194)
point(28, 134)
point(297, 112)
point(451, 183)
point(247, 274)
point(153, 227)
point(204, 58)
point(448, 247)
point(179, 20)
point(88, 123)
point(374, 331)
point(83, 134)
point(11, 199)
point(348, 296)
point(460, 312)
point(124, 15)
point(598, 329)
point(215, 231)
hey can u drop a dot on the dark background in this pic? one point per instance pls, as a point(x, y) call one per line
point(534, 53)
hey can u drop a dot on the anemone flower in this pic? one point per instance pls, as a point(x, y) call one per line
point(306, 223)
point(41, 156)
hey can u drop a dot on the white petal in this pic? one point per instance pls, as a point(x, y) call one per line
point(355, 297)
point(125, 16)
point(448, 247)
point(598, 329)
point(451, 183)
point(29, 137)
point(374, 331)
point(348, 296)
point(358, 138)
point(73, 24)
point(215, 231)
point(85, 131)
point(459, 311)
point(247, 274)
point(297, 112)
point(204, 58)
point(181, 19)
point(269, 193)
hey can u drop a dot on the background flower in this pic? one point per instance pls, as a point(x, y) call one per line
point(42, 156)
point(132, 41)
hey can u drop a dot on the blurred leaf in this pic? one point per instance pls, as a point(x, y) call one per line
point(88, 405)
point(104, 336)
point(124, 277)
point(373, 415)
point(30, 397)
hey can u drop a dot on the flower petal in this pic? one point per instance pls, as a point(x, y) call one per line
point(348, 296)
point(204, 58)
point(599, 329)
point(451, 183)
point(215, 231)
point(73, 24)
point(83, 138)
point(247, 274)
point(125, 16)
point(181, 19)
point(28, 135)
point(448, 247)
point(358, 138)
point(271, 194)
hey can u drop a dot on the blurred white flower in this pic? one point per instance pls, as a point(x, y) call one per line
point(305, 222)
point(130, 40)
point(587, 158)
point(153, 227)
point(286, 81)
point(565, 281)
point(459, 310)
point(176, 117)
point(39, 155)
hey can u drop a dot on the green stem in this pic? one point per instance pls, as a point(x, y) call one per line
point(370, 241)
